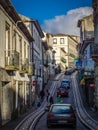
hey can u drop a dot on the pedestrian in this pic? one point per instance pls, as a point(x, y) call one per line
point(82, 82)
point(59, 99)
point(47, 95)
point(51, 100)
point(37, 102)
point(42, 94)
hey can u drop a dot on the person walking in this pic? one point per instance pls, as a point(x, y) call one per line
point(37, 102)
point(47, 95)
point(42, 94)
point(51, 100)
point(59, 99)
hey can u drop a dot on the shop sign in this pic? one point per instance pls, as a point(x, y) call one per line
point(79, 63)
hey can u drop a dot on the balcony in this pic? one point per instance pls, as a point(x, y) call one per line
point(63, 59)
point(23, 67)
point(94, 51)
point(11, 60)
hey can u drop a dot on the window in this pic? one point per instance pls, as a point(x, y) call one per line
point(7, 35)
point(61, 109)
point(28, 51)
point(25, 51)
point(61, 40)
point(54, 41)
point(20, 42)
point(14, 41)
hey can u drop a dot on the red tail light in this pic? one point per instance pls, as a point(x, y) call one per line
point(51, 115)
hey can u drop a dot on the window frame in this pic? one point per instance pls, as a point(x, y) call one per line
point(61, 40)
point(54, 40)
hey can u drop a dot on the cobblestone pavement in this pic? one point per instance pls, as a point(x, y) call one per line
point(90, 111)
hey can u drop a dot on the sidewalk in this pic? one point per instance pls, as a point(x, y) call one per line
point(89, 110)
point(13, 123)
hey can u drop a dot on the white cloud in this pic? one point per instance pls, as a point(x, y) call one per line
point(67, 24)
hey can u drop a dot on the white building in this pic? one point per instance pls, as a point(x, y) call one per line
point(65, 47)
point(50, 56)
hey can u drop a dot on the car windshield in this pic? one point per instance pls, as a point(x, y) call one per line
point(61, 109)
point(64, 85)
point(65, 81)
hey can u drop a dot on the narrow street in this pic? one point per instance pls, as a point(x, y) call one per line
point(42, 122)
point(48, 65)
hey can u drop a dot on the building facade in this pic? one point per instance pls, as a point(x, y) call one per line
point(15, 67)
point(36, 53)
point(50, 56)
point(85, 49)
point(65, 47)
point(86, 41)
point(94, 50)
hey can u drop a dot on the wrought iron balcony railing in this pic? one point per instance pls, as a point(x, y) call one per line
point(24, 67)
point(11, 60)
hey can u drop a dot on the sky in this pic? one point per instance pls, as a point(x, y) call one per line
point(55, 16)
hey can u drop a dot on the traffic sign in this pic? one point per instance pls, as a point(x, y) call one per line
point(34, 83)
point(79, 63)
point(75, 59)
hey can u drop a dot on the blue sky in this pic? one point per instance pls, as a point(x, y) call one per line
point(50, 12)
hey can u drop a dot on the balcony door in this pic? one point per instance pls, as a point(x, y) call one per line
point(7, 38)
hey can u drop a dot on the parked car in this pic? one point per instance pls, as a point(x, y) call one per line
point(61, 114)
point(62, 91)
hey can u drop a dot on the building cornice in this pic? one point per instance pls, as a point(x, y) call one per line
point(66, 35)
point(84, 18)
point(36, 23)
point(10, 10)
